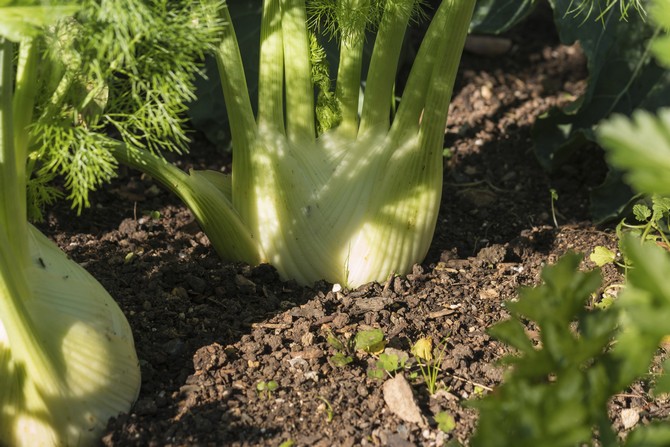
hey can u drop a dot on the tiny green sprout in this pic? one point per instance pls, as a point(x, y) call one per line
point(129, 257)
point(287, 443)
point(335, 342)
point(554, 198)
point(429, 360)
point(447, 153)
point(155, 214)
point(328, 408)
point(478, 390)
point(371, 341)
point(340, 359)
point(342, 355)
point(266, 388)
point(445, 421)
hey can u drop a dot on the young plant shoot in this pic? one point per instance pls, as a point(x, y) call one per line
point(67, 75)
point(317, 190)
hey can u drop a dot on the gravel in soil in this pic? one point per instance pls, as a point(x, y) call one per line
point(207, 333)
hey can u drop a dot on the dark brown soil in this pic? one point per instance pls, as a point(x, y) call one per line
point(207, 332)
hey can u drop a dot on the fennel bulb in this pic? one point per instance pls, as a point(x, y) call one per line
point(67, 357)
point(351, 200)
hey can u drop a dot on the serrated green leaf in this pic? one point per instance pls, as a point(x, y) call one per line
point(512, 332)
point(660, 206)
point(645, 304)
point(640, 146)
point(557, 392)
point(641, 212)
point(602, 256)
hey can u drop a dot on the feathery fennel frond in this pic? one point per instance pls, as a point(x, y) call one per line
point(117, 68)
point(351, 19)
point(587, 8)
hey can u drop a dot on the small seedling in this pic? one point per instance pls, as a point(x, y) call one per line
point(371, 341)
point(554, 198)
point(342, 355)
point(266, 388)
point(287, 443)
point(429, 364)
point(653, 225)
point(445, 421)
point(328, 408)
point(388, 364)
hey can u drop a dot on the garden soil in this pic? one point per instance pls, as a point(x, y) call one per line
point(208, 333)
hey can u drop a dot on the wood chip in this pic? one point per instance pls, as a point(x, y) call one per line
point(441, 313)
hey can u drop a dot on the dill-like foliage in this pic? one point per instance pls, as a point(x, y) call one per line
point(118, 70)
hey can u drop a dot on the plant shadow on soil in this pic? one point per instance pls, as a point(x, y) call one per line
point(207, 332)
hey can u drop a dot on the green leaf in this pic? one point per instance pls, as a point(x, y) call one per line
point(660, 206)
point(659, 12)
point(602, 256)
point(641, 212)
point(335, 343)
point(641, 147)
point(498, 16)
point(388, 362)
point(339, 359)
point(208, 111)
point(557, 391)
point(445, 421)
point(653, 435)
point(18, 22)
point(645, 303)
point(377, 373)
point(370, 341)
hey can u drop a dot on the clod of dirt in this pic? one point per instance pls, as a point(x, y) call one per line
point(400, 400)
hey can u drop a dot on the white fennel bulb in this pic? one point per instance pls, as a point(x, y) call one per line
point(67, 357)
point(353, 199)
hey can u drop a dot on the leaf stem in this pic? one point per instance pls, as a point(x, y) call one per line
point(12, 168)
point(271, 75)
point(207, 199)
point(347, 89)
point(384, 64)
point(300, 125)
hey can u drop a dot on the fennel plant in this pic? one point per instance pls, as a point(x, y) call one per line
point(72, 76)
point(316, 190)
